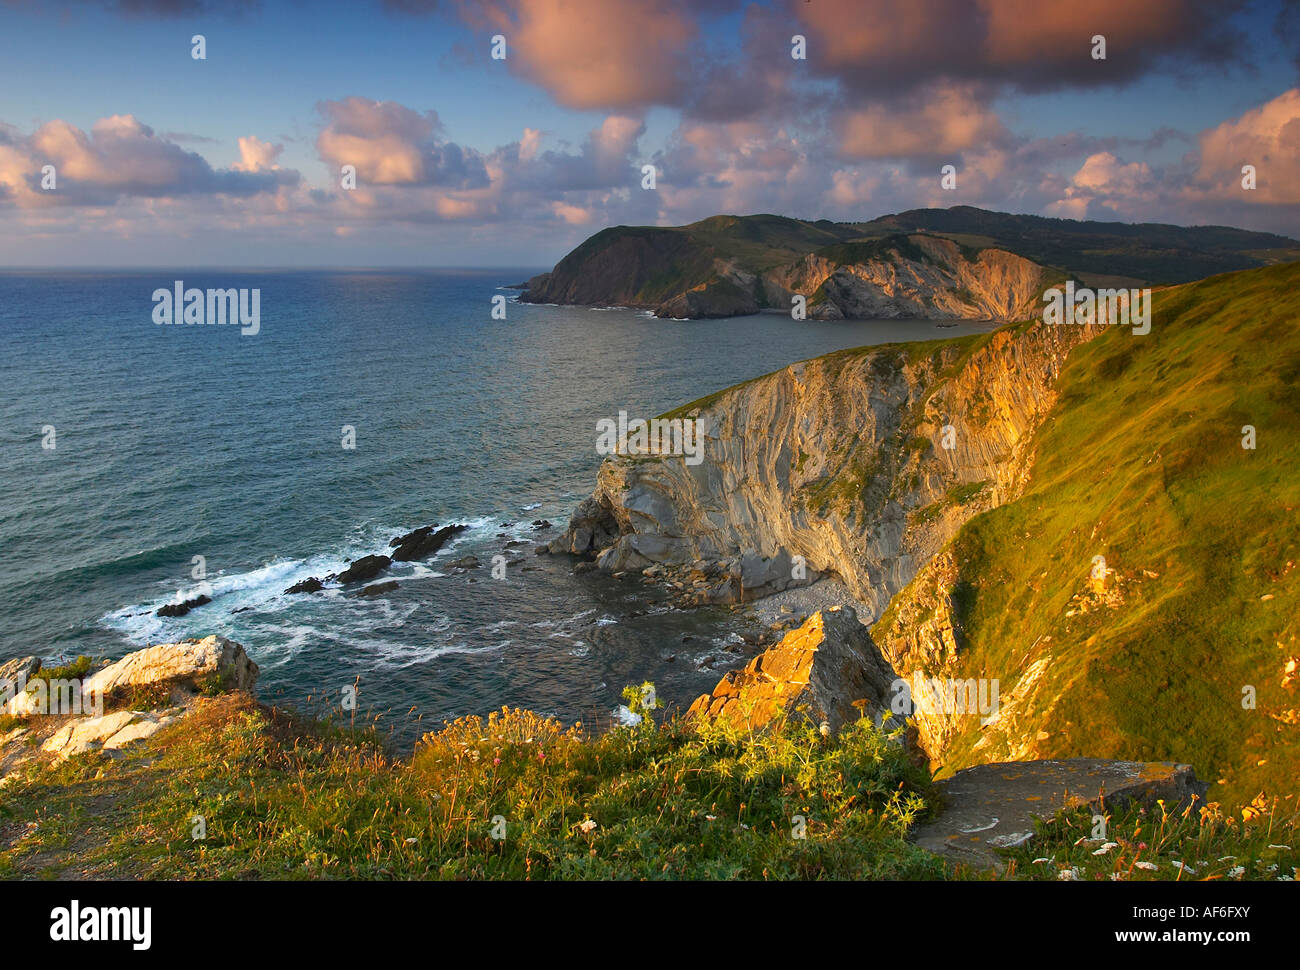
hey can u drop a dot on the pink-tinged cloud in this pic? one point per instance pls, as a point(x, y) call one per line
point(895, 45)
point(256, 155)
point(1267, 137)
point(940, 120)
point(390, 144)
point(119, 157)
point(587, 54)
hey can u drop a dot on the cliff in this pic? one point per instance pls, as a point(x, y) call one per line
point(1110, 537)
point(959, 263)
point(863, 463)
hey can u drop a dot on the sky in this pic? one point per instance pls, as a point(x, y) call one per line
point(160, 158)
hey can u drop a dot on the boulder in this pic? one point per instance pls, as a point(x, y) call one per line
point(378, 589)
point(828, 671)
point(367, 567)
point(188, 664)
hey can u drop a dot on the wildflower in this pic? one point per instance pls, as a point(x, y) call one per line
point(1149, 866)
point(1036, 861)
point(1106, 848)
point(587, 826)
point(496, 761)
point(412, 841)
point(1069, 875)
point(1183, 867)
point(1236, 872)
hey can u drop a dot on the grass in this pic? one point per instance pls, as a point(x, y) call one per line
point(283, 798)
point(1142, 463)
point(1162, 843)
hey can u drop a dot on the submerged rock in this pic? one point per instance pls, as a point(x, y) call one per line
point(378, 589)
point(309, 585)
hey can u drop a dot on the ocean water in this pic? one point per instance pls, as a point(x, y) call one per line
point(172, 442)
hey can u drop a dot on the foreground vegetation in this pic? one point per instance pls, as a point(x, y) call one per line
point(242, 791)
point(279, 798)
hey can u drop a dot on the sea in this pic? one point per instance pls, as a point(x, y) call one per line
point(142, 464)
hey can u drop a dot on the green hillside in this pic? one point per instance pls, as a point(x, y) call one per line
point(1142, 463)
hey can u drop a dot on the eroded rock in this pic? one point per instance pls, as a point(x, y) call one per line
point(827, 671)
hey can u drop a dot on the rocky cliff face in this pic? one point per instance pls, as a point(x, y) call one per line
point(675, 274)
point(931, 278)
point(860, 464)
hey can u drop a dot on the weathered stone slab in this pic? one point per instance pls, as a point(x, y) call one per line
point(994, 806)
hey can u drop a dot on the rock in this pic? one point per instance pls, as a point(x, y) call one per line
point(367, 567)
point(188, 664)
point(86, 734)
point(145, 726)
point(378, 589)
point(180, 609)
point(539, 524)
point(110, 732)
point(516, 542)
point(829, 666)
point(466, 562)
point(994, 806)
point(309, 585)
point(423, 543)
point(20, 668)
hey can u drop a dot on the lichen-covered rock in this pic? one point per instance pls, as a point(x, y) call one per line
point(826, 670)
point(189, 664)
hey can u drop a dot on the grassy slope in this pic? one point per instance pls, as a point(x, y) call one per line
point(1142, 463)
point(285, 798)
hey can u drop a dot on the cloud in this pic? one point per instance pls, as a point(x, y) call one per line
point(119, 157)
point(1028, 44)
point(1267, 137)
point(595, 54)
point(256, 155)
point(941, 120)
point(389, 144)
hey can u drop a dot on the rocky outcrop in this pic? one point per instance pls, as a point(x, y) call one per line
point(367, 567)
point(861, 464)
point(922, 277)
point(719, 298)
point(180, 609)
point(188, 665)
point(826, 670)
point(423, 542)
point(994, 806)
point(111, 732)
point(311, 584)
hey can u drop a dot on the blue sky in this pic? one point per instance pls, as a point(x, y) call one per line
point(466, 160)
